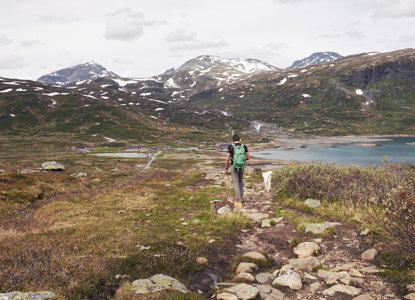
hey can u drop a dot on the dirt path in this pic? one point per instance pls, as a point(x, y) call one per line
point(340, 253)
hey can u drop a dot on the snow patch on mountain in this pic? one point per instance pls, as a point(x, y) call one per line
point(316, 58)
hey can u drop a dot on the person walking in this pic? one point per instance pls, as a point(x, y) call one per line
point(237, 156)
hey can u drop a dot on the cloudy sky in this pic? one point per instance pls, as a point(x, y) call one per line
point(145, 37)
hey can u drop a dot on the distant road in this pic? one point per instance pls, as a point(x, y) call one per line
point(151, 160)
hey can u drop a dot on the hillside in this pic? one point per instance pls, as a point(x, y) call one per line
point(316, 58)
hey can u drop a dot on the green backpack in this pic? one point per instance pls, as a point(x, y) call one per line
point(239, 157)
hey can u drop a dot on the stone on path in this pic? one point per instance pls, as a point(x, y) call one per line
point(27, 296)
point(411, 287)
point(245, 267)
point(410, 296)
point(289, 278)
point(224, 210)
point(244, 291)
point(269, 293)
point(341, 288)
point(355, 273)
point(364, 297)
point(244, 277)
point(369, 254)
point(370, 270)
point(312, 203)
point(255, 255)
point(344, 267)
point(266, 223)
point(264, 278)
point(157, 283)
point(256, 217)
point(52, 166)
point(306, 249)
point(304, 264)
point(201, 260)
point(320, 228)
point(314, 287)
point(226, 296)
point(365, 231)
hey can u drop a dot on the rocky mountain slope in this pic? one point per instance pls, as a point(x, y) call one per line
point(316, 58)
point(86, 71)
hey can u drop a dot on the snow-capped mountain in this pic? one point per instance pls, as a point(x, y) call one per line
point(316, 58)
point(89, 70)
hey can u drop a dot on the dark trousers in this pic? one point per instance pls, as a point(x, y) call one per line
point(238, 184)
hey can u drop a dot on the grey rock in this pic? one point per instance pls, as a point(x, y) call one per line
point(411, 287)
point(27, 296)
point(355, 273)
point(369, 254)
point(264, 278)
point(244, 277)
point(314, 287)
point(269, 293)
point(340, 288)
point(304, 264)
point(256, 217)
point(290, 279)
point(365, 231)
point(201, 260)
point(27, 171)
point(306, 249)
point(255, 255)
point(364, 297)
point(226, 296)
point(371, 270)
point(157, 283)
point(312, 203)
point(224, 210)
point(266, 223)
point(244, 291)
point(79, 175)
point(277, 220)
point(320, 228)
point(344, 267)
point(410, 296)
point(52, 166)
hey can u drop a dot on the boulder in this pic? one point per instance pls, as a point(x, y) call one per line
point(304, 264)
point(264, 278)
point(269, 293)
point(410, 296)
point(355, 273)
point(224, 210)
point(314, 287)
point(255, 255)
point(244, 277)
point(340, 288)
point(244, 267)
point(290, 279)
point(266, 223)
point(364, 297)
point(306, 249)
point(52, 166)
point(312, 203)
point(244, 291)
point(157, 283)
point(226, 296)
point(320, 228)
point(27, 296)
point(369, 254)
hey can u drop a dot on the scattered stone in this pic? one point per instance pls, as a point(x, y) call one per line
point(79, 175)
point(344, 277)
point(2, 171)
point(320, 228)
point(277, 220)
point(312, 203)
point(115, 170)
point(142, 247)
point(344, 267)
point(224, 285)
point(314, 287)
point(365, 232)
point(256, 217)
point(215, 205)
point(341, 288)
point(27, 171)
point(304, 264)
point(264, 278)
point(309, 276)
point(390, 296)
point(244, 277)
point(244, 291)
point(411, 287)
point(180, 243)
point(266, 223)
point(369, 254)
point(306, 249)
point(371, 270)
point(356, 281)
point(255, 255)
point(185, 223)
point(318, 241)
point(410, 296)
point(119, 277)
point(211, 241)
point(269, 293)
point(245, 267)
point(364, 297)
point(52, 166)
point(201, 260)
point(355, 273)
point(224, 210)
point(226, 296)
point(157, 283)
point(27, 296)
point(290, 279)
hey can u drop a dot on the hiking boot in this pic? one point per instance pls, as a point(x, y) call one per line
point(238, 204)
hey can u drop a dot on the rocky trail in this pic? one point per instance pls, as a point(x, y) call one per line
point(328, 260)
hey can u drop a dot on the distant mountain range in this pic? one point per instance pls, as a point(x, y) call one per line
point(316, 58)
point(365, 93)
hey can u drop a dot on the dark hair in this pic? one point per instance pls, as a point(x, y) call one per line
point(236, 138)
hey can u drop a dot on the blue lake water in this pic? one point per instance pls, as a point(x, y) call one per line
point(397, 150)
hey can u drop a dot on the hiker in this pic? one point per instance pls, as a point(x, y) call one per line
point(237, 155)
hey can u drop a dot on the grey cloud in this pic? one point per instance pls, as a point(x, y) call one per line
point(180, 35)
point(198, 45)
point(353, 33)
point(126, 25)
point(4, 40)
point(29, 43)
point(393, 9)
point(11, 62)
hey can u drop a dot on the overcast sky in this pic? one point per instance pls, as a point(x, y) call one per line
point(145, 37)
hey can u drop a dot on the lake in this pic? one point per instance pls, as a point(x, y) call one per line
point(397, 150)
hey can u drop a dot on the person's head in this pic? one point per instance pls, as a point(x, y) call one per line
point(236, 138)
